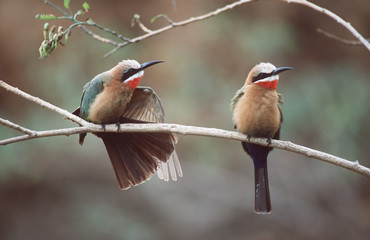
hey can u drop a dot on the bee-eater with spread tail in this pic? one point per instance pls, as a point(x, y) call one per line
point(256, 113)
point(114, 97)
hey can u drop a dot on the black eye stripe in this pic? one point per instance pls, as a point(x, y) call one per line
point(260, 76)
point(129, 73)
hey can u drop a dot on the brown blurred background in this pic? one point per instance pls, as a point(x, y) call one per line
point(52, 188)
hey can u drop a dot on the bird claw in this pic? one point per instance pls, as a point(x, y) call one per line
point(102, 127)
point(269, 141)
point(249, 137)
point(118, 125)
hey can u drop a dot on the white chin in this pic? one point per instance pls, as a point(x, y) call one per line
point(269, 79)
point(135, 76)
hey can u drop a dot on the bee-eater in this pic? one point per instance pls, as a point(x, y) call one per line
point(114, 97)
point(256, 113)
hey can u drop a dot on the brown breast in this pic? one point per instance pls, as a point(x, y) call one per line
point(256, 113)
point(110, 104)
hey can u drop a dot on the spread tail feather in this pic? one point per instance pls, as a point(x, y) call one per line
point(172, 167)
point(136, 156)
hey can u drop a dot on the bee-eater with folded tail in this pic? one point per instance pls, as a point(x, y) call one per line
point(113, 97)
point(256, 113)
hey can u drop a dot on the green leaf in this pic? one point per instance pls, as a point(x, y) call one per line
point(45, 17)
point(66, 3)
point(86, 6)
point(156, 17)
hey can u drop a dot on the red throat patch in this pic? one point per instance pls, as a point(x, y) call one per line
point(134, 82)
point(269, 84)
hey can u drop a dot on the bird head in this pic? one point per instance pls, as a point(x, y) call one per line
point(130, 72)
point(265, 75)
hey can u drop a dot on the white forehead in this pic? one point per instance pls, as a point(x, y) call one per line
point(129, 64)
point(264, 67)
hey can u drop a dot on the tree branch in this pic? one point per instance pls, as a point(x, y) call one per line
point(173, 24)
point(332, 15)
point(150, 33)
point(339, 39)
point(17, 127)
point(170, 128)
point(43, 103)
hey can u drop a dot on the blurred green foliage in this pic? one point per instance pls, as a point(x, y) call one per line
point(330, 108)
point(266, 38)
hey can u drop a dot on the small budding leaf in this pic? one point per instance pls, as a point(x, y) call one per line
point(45, 17)
point(156, 17)
point(46, 26)
point(86, 6)
point(46, 29)
point(66, 36)
point(66, 3)
point(134, 19)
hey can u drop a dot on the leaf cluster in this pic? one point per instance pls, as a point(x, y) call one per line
point(53, 36)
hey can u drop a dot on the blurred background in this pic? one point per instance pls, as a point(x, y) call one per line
point(52, 188)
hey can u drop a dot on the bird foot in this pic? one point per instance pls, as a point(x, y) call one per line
point(102, 127)
point(118, 125)
point(249, 137)
point(269, 141)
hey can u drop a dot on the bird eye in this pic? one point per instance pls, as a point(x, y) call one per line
point(128, 73)
point(260, 76)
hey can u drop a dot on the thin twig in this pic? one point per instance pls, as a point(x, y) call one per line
point(150, 33)
point(178, 24)
point(112, 32)
point(43, 103)
point(338, 19)
point(339, 39)
point(56, 7)
point(98, 37)
point(141, 25)
point(16, 127)
point(168, 19)
point(172, 128)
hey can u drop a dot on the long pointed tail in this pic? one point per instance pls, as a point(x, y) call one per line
point(262, 203)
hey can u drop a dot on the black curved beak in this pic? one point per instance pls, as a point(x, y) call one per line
point(148, 64)
point(133, 71)
point(280, 69)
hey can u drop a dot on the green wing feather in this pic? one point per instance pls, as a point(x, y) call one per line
point(236, 98)
point(91, 90)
